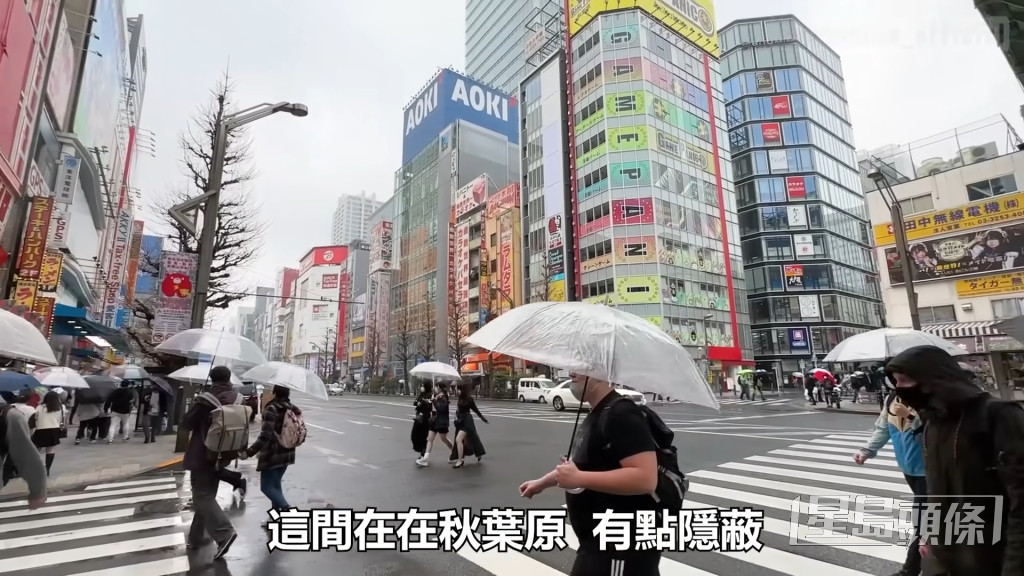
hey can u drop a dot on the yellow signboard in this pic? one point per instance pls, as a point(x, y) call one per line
point(603, 261)
point(691, 19)
point(556, 291)
point(990, 285)
point(987, 213)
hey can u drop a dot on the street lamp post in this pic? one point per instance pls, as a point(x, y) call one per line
point(211, 199)
point(705, 358)
point(319, 354)
point(900, 232)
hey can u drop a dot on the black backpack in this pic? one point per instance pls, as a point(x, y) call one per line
point(672, 483)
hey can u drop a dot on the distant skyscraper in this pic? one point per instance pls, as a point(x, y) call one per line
point(351, 218)
point(502, 35)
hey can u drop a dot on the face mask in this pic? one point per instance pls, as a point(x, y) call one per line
point(577, 390)
point(913, 397)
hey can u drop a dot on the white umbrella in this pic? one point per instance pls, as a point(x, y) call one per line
point(128, 372)
point(60, 376)
point(290, 376)
point(200, 343)
point(20, 340)
point(884, 343)
point(435, 371)
point(600, 342)
point(198, 374)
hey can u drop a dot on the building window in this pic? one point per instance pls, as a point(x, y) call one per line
point(918, 204)
point(1007, 308)
point(938, 314)
point(989, 188)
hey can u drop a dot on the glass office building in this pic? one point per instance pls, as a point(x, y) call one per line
point(810, 275)
point(656, 232)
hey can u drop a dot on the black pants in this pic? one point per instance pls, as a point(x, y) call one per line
point(232, 477)
point(920, 489)
point(90, 426)
point(593, 562)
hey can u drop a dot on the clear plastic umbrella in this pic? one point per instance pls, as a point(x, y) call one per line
point(20, 340)
point(435, 371)
point(128, 372)
point(884, 343)
point(198, 374)
point(60, 376)
point(600, 342)
point(290, 376)
point(203, 344)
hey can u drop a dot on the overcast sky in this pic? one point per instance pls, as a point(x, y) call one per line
point(913, 68)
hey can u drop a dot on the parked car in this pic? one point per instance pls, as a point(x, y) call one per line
point(561, 397)
point(335, 390)
point(532, 389)
point(636, 397)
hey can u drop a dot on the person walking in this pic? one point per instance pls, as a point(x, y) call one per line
point(51, 426)
point(901, 425)
point(153, 406)
point(421, 421)
point(119, 405)
point(273, 457)
point(206, 468)
point(17, 452)
point(88, 406)
point(467, 440)
point(438, 423)
point(974, 456)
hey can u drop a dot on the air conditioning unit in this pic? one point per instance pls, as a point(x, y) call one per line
point(932, 166)
point(979, 153)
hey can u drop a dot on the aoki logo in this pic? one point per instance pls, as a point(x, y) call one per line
point(481, 100)
point(422, 108)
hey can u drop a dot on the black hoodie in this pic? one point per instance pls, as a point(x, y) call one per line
point(968, 452)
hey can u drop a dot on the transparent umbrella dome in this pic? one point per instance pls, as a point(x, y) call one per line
point(220, 346)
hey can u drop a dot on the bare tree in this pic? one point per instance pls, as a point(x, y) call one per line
point(427, 333)
point(540, 287)
point(239, 226)
point(457, 328)
point(404, 340)
point(372, 350)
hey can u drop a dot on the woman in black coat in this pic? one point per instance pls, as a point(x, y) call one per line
point(421, 423)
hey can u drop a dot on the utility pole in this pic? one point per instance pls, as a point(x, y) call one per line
point(899, 231)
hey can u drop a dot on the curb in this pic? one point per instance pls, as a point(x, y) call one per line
point(73, 487)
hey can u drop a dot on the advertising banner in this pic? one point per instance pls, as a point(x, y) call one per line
point(632, 290)
point(57, 238)
point(507, 197)
point(798, 339)
point(382, 312)
point(505, 238)
point(691, 19)
point(624, 103)
point(674, 84)
point(49, 273)
point(452, 248)
point(1008, 283)
point(603, 261)
point(25, 293)
point(764, 80)
point(796, 188)
point(594, 226)
point(134, 254)
point(636, 250)
point(809, 307)
point(450, 96)
point(344, 295)
point(44, 307)
point(797, 216)
point(615, 37)
point(624, 70)
point(804, 244)
point(462, 266)
point(174, 304)
point(554, 179)
point(632, 211)
point(992, 250)
point(320, 312)
point(323, 256)
point(485, 277)
point(34, 245)
point(329, 282)
point(118, 263)
point(381, 246)
point(778, 161)
point(771, 133)
point(986, 213)
point(630, 174)
point(794, 274)
point(627, 138)
point(676, 116)
point(780, 107)
point(675, 292)
point(67, 180)
point(470, 196)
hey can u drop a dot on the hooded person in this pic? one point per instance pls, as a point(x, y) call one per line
point(421, 423)
point(974, 451)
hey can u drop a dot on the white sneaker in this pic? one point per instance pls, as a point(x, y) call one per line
point(424, 460)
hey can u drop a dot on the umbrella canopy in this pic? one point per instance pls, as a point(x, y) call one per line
point(13, 381)
point(600, 342)
point(102, 386)
point(162, 385)
point(199, 374)
point(128, 372)
point(744, 372)
point(435, 370)
point(200, 343)
point(884, 343)
point(290, 376)
point(60, 376)
point(20, 340)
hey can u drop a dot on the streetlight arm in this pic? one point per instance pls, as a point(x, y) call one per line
point(253, 114)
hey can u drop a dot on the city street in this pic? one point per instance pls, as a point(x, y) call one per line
point(358, 455)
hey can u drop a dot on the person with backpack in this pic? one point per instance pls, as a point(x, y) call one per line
point(901, 425)
point(974, 453)
point(219, 426)
point(18, 452)
point(622, 460)
point(283, 430)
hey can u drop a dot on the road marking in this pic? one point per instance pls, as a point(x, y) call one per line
point(165, 567)
point(750, 436)
point(732, 418)
point(75, 519)
point(322, 428)
point(783, 486)
point(844, 481)
point(91, 504)
point(851, 469)
point(832, 457)
point(91, 552)
point(337, 458)
point(127, 484)
point(82, 533)
point(882, 453)
point(88, 495)
point(511, 562)
point(844, 437)
point(358, 422)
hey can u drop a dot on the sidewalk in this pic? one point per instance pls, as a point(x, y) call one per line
point(92, 462)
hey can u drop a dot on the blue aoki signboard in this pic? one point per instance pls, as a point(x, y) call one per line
point(450, 96)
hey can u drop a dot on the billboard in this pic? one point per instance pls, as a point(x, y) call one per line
point(1009, 283)
point(174, 307)
point(676, 116)
point(450, 96)
point(691, 19)
point(675, 84)
point(49, 274)
point(323, 256)
point(149, 261)
point(329, 282)
point(559, 244)
point(134, 252)
point(631, 290)
point(470, 196)
point(988, 212)
point(462, 267)
point(62, 74)
point(118, 263)
point(506, 259)
point(636, 250)
point(344, 296)
point(34, 245)
point(507, 197)
point(991, 250)
point(381, 246)
point(632, 211)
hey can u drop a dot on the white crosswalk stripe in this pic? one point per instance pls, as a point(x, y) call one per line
point(772, 482)
point(131, 528)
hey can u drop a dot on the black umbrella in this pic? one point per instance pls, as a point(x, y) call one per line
point(247, 389)
point(162, 385)
point(103, 385)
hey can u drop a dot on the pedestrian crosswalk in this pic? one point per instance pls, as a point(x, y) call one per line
point(130, 528)
point(738, 402)
point(794, 543)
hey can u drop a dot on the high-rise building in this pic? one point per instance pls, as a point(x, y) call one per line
point(803, 220)
point(502, 36)
point(653, 198)
point(351, 218)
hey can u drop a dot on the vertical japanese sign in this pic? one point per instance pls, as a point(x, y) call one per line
point(451, 264)
point(381, 247)
point(462, 273)
point(485, 273)
point(174, 303)
point(44, 307)
point(49, 273)
point(505, 236)
point(134, 255)
point(36, 230)
point(118, 263)
point(67, 180)
point(25, 293)
point(58, 236)
point(344, 295)
point(382, 311)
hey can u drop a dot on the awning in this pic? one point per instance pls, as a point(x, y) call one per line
point(72, 321)
point(962, 329)
point(482, 357)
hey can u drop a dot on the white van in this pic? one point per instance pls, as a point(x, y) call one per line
point(533, 389)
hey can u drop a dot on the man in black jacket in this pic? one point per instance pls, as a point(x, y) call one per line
point(974, 455)
point(119, 405)
point(153, 406)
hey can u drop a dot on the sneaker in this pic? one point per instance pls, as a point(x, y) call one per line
point(222, 549)
point(77, 442)
point(111, 441)
point(421, 461)
point(197, 545)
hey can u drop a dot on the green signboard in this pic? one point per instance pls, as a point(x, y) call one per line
point(631, 174)
point(627, 138)
point(676, 116)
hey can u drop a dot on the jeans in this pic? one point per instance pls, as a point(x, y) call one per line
point(122, 420)
point(208, 518)
point(919, 487)
point(151, 426)
point(270, 485)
